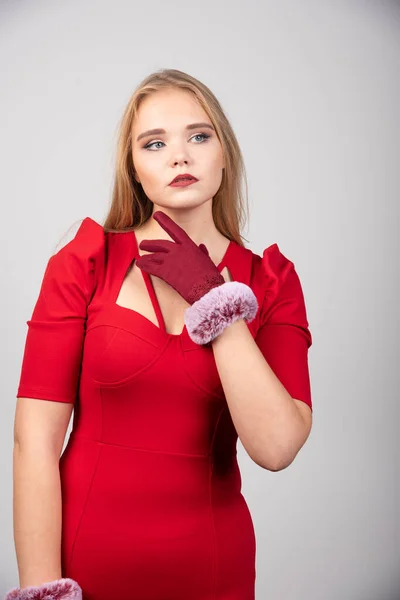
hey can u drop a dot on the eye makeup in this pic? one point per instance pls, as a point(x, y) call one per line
point(205, 137)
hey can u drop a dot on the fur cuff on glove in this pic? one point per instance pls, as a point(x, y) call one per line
point(60, 589)
point(218, 308)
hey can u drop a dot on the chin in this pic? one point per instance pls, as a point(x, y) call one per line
point(185, 200)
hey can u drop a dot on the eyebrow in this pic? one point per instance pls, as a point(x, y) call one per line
point(158, 131)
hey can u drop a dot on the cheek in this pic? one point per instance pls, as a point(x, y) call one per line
point(215, 172)
point(148, 179)
point(148, 175)
point(216, 163)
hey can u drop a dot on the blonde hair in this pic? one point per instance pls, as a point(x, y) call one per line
point(130, 207)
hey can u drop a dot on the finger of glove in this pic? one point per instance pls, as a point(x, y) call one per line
point(156, 245)
point(150, 264)
point(204, 249)
point(172, 228)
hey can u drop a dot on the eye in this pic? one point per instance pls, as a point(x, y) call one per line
point(204, 137)
point(148, 146)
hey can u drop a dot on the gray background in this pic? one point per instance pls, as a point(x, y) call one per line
point(312, 91)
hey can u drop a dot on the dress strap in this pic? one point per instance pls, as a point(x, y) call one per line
point(153, 298)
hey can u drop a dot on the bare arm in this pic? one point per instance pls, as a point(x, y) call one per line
point(271, 425)
point(39, 433)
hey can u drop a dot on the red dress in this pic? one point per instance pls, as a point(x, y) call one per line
point(151, 489)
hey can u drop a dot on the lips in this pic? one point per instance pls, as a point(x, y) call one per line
point(184, 177)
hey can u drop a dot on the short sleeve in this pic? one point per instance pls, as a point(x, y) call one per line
point(53, 348)
point(284, 336)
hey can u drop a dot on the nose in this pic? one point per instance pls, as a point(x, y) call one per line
point(180, 155)
point(180, 158)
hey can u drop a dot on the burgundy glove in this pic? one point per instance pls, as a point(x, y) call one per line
point(60, 589)
point(215, 304)
point(184, 265)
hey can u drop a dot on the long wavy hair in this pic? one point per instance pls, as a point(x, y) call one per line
point(130, 207)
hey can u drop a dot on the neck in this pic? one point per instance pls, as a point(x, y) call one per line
point(197, 223)
point(199, 227)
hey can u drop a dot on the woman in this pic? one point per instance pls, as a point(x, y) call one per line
point(169, 339)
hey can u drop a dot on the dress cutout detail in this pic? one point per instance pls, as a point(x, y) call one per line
point(151, 292)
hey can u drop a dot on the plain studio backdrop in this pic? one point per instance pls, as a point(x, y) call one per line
point(312, 91)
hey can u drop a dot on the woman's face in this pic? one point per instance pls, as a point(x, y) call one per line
point(159, 157)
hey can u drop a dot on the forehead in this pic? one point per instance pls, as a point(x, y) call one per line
point(168, 109)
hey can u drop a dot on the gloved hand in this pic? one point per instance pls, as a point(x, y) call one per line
point(60, 589)
point(181, 263)
point(215, 304)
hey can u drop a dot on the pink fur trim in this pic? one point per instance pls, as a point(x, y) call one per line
point(218, 308)
point(60, 589)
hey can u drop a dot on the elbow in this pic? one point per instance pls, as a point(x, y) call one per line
point(281, 465)
point(279, 462)
point(284, 454)
point(274, 466)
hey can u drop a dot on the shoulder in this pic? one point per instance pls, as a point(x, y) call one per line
point(89, 239)
point(276, 267)
point(271, 268)
point(88, 242)
point(280, 284)
point(81, 259)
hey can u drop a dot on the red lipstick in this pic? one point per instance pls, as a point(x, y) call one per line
point(183, 180)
